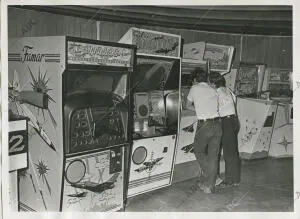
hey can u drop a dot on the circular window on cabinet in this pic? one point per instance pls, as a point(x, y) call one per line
point(75, 171)
point(139, 155)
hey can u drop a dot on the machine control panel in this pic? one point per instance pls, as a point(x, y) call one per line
point(95, 127)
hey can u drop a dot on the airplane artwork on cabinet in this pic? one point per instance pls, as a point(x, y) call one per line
point(257, 123)
point(156, 108)
point(76, 98)
point(282, 138)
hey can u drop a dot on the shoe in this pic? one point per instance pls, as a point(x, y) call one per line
point(236, 184)
point(225, 185)
point(218, 181)
point(205, 189)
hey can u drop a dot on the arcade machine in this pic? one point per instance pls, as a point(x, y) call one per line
point(186, 166)
point(156, 108)
point(279, 85)
point(256, 115)
point(76, 96)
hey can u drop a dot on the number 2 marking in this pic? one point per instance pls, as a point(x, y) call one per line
point(17, 145)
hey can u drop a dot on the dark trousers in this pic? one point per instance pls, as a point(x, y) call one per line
point(229, 144)
point(206, 148)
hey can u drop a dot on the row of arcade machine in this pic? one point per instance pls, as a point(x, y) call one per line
point(106, 121)
point(264, 107)
point(76, 96)
point(156, 108)
point(102, 119)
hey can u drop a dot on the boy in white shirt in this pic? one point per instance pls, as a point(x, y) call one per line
point(230, 127)
point(203, 98)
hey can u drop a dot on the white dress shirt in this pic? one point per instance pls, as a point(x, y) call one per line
point(227, 102)
point(205, 100)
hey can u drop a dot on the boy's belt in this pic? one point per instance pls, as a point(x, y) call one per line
point(229, 116)
point(210, 119)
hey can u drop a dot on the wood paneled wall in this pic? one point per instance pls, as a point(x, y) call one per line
point(47, 24)
point(274, 51)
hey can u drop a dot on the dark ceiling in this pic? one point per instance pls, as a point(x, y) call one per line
point(242, 19)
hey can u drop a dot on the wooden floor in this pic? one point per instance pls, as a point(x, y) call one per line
point(267, 186)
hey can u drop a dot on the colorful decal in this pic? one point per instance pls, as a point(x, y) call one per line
point(29, 55)
point(40, 85)
point(156, 43)
point(188, 148)
point(18, 138)
point(219, 57)
point(38, 185)
point(38, 98)
point(150, 165)
point(288, 115)
point(194, 50)
point(251, 130)
point(96, 187)
point(269, 120)
point(282, 137)
point(189, 128)
point(92, 54)
point(90, 186)
point(246, 82)
point(285, 143)
point(257, 122)
point(43, 171)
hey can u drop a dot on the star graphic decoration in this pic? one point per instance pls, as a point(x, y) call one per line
point(285, 143)
point(40, 85)
point(43, 170)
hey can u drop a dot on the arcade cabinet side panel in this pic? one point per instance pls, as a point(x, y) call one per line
point(262, 145)
point(151, 164)
point(35, 91)
point(282, 137)
point(187, 131)
point(94, 182)
point(252, 115)
point(188, 119)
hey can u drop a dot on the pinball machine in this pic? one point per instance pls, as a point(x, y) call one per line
point(278, 82)
point(256, 115)
point(76, 96)
point(156, 107)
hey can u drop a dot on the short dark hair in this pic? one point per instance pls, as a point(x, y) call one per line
point(199, 74)
point(217, 79)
